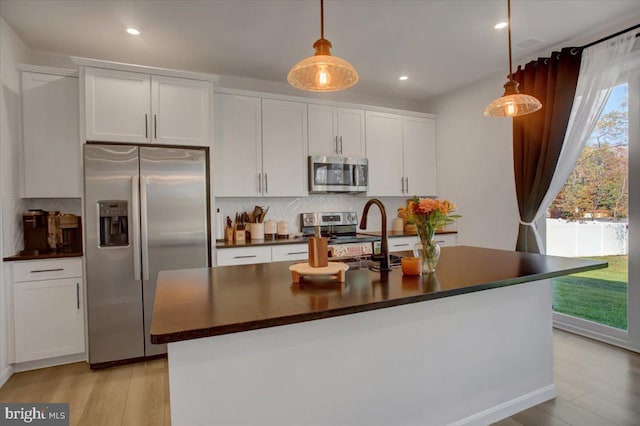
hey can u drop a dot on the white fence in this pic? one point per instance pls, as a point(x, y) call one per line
point(589, 238)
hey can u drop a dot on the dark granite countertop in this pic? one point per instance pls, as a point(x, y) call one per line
point(195, 303)
point(40, 256)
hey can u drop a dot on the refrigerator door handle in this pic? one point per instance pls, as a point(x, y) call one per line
point(144, 234)
point(135, 215)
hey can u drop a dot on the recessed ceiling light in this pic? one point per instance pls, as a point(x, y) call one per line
point(133, 31)
point(403, 78)
point(500, 25)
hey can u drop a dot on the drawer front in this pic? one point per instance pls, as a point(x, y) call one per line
point(36, 270)
point(289, 252)
point(243, 255)
point(402, 243)
point(446, 240)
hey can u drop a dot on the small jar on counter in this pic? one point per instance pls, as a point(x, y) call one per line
point(283, 230)
point(270, 229)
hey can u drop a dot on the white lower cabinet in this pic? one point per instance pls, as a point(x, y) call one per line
point(446, 240)
point(402, 243)
point(48, 307)
point(407, 243)
point(244, 255)
point(262, 254)
point(289, 252)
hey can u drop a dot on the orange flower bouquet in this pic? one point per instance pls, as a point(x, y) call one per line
point(428, 215)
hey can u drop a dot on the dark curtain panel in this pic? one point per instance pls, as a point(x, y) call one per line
point(538, 137)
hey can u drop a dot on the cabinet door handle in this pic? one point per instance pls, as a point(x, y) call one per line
point(37, 271)
point(155, 126)
point(402, 185)
point(78, 295)
point(340, 144)
point(247, 256)
point(259, 183)
point(296, 252)
point(407, 183)
point(146, 126)
point(336, 139)
point(266, 184)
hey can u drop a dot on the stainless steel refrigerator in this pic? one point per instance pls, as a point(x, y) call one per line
point(146, 210)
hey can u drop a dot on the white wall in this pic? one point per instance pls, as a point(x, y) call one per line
point(12, 51)
point(475, 165)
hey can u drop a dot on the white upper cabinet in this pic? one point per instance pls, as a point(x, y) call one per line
point(284, 148)
point(419, 148)
point(384, 151)
point(336, 131)
point(51, 148)
point(180, 110)
point(259, 147)
point(237, 147)
point(402, 154)
point(117, 106)
point(132, 107)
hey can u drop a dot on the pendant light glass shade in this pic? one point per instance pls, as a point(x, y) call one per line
point(322, 72)
point(512, 103)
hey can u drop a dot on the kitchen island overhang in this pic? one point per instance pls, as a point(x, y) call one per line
point(468, 345)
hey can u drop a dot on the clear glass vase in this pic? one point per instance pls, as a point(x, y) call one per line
point(430, 256)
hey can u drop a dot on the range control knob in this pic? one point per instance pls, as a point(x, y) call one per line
point(352, 218)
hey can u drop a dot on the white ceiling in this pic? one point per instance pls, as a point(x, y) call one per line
point(439, 44)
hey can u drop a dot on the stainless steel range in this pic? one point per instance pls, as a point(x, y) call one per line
point(341, 230)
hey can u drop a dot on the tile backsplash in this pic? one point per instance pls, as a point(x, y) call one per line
point(289, 209)
point(63, 205)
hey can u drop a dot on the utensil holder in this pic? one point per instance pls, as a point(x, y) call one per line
point(257, 231)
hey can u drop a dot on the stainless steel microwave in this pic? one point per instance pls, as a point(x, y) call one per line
point(338, 174)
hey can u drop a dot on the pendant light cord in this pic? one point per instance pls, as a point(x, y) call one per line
point(509, 32)
point(321, 18)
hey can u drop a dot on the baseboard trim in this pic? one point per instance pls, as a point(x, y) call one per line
point(49, 362)
point(595, 335)
point(509, 408)
point(6, 375)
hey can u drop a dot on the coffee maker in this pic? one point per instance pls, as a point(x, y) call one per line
point(51, 232)
point(36, 231)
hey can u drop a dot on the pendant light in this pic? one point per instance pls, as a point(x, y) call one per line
point(512, 103)
point(322, 72)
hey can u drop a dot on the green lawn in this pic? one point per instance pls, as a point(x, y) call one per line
point(599, 295)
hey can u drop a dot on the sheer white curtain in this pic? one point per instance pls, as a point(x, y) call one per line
point(600, 67)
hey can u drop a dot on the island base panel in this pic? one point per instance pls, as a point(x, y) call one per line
point(464, 360)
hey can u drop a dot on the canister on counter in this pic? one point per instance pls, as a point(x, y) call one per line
point(270, 229)
point(283, 230)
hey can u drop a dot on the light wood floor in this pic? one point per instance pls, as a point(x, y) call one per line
point(134, 394)
point(598, 385)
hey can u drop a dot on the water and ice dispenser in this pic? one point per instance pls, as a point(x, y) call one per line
point(114, 223)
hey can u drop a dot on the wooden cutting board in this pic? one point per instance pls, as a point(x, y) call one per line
point(335, 270)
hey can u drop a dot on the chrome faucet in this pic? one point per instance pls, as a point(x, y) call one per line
point(384, 246)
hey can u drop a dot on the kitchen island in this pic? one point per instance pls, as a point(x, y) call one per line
point(470, 344)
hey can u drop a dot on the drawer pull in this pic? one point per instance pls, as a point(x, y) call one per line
point(245, 257)
point(401, 245)
point(46, 270)
point(296, 252)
